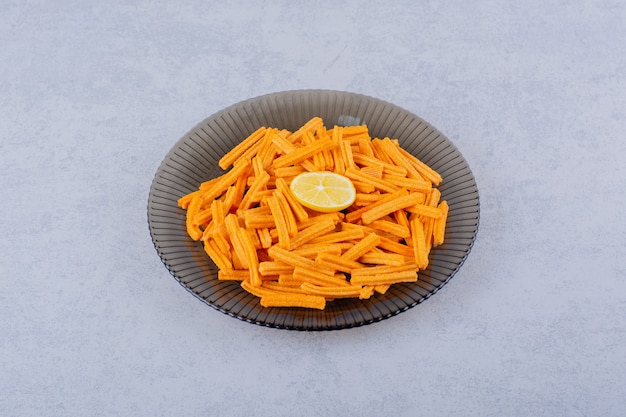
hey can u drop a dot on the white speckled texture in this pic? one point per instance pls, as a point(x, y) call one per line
point(94, 94)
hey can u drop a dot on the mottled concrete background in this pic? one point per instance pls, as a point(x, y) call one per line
point(92, 96)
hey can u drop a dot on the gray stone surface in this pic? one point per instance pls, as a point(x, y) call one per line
point(94, 94)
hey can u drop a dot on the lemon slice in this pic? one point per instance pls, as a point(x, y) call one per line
point(323, 191)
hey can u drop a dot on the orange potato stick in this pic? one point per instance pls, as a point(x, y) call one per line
point(281, 255)
point(425, 171)
point(262, 209)
point(260, 195)
point(284, 133)
point(409, 183)
point(350, 291)
point(431, 200)
point(185, 200)
point(346, 155)
point(307, 138)
point(365, 146)
point(354, 141)
point(216, 255)
point(255, 240)
point(257, 291)
point(209, 231)
point(423, 210)
point(366, 292)
point(433, 197)
point(339, 165)
point(366, 228)
point(250, 153)
point(429, 224)
point(401, 218)
point(337, 262)
point(265, 237)
point(274, 268)
point(279, 219)
point(251, 256)
point(390, 227)
point(288, 280)
point(267, 290)
point(266, 145)
point(277, 286)
point(440, 224)
point(395, 247)
point(357, 175)
point(258, 184)
point(283, 144)
point(203, 217)
point(233, 274)
point(314, 276)
point(325, 159)
point(390, 206)
point(362, 247)
point(298, 211)
point(226, 195)
point(329, 162)
point(268, 158)
point(370, 161)
point(290, 219)
point(385, 269)
point(342, 236)
point(310, 126)
point(232, 229)
point(257, 166)
point(375, 171)
point(322, 132)
point(269, 278)
point(388, 278)
point(290, 171)
point(237, 262)
point(363, 199)
point(312, 250)
point(318, 161)
point(390, 169)
point(218, 234)
point(364, 188)
point(354, 130)
point(302, 153)
point(418, 243)
point(259, 221)
point(238, 170)
point(193, 229)
point(391, 148)
point(234, 154)
point(208, 184)
point(379, 152)
point(285, 147)
point(355, 215)
point(314, 218)
point(293, 300)
point(382, 288)
point(316, 230)
point(382, 258)
point(234, 194)
point(218, 211)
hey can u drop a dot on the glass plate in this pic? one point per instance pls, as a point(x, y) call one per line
point(194, 158)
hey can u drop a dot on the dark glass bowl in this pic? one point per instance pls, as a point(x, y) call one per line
point(194, 159)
